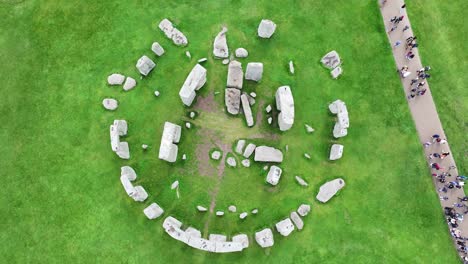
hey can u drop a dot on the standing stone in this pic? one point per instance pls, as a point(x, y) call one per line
point(157, 49)
point(285, 227)
point(266, 28)
point(130, 83)
point(335, 73)
point(235, 76)
point(194, 82)
point(247, 110)
point(240, 146)
point(217, 238)
point(301, 181)
point(243, 215)
point(336, 152)
point(268, 154)
point(254, 71)
point(291, 67)
point(129, 172)
point(231, 161)
point(243, 239)
point(193, 232)
point(303, 209)
point(110, 104)
point(115, 79)
point(153, 211)
point(297, 220)
point(241, 53)
point(264, 238)
point(145, 65)
point(225, 61)
point(330, 189)
point(219, 213)
point(201, 208)
point(232, 100)
point(274, 175)
point(220, 47)
point(285, 104)
point(216, 155)
point(249, 150)
point(245, 163)
point(331, 60)
point(232, 208)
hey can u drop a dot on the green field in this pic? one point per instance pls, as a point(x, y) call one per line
point(62, 199)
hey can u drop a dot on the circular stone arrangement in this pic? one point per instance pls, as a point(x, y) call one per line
point(236, 102)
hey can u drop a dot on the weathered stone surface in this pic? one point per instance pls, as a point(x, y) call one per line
point(331, 60)
point(245, 163)
point(285, 227)
point(240, 146)
point(201, 208)
point(129, 84)
point(335, 73)
point(268, 109)
point(254, 71)
point(171, 135)
point(251, 99)
point(195, 80)
point(268, 154)
point(216, 155)
point(157, 49)
point(264, 238)
point(303, 209)
point(285, 104)
point(329, 189)
point(337, 106)
point(128, 172)
point(291, 67)
point(235, 76)
point(140, 194)
point(121, 127)
point(219, 213)
point(123, 151)
point(339, 131)
point(266, 28)
point(193, 232)
point(115, 79)
point(274, 175)
point(247, 111)
point(243, 215)
point(153, 211)
point(336, 151)
point(220, 47)
point(241, 53)
point(110, 104)
point(249, 150)
point(145, 65)
point(231, 161)
point(232, 208)
point(243, 239)
point(297, 220)
point(308, 128)
point(174, 185)
point(217, 238)
point(255, 211)
point(173, 33)
point(301, 181)
point(232, 100)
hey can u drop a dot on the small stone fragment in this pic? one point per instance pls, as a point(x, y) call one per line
point(255, 211)
point(253, 95)
point(184, 157)
point(291, 67)
point(231, 161)
point(174, 185)
point(216, 155)
point(156, 93)
point(301, 181)
point(245, 163)
point(303, 209)
point(157, 49)
point(188, 125)
point(144, 146)
point(225, 61)
point(270, 120)
point(219, 213)
point(192, 115)
point(268, 109)
point(110, 104)
point(201, 208)
point(187, 53)
point(265, 168)
point(243, 215)
point(306, 155)
point(202, 60)
point(309, 129)
point(115, 79)
point(232, 208)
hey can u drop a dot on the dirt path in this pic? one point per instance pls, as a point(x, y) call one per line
point(423, 109)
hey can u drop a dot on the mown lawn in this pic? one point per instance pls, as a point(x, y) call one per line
point(62, 199)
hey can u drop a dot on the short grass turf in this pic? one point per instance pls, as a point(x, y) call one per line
point(62, 199)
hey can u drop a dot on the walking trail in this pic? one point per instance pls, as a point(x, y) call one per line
point(423, 109)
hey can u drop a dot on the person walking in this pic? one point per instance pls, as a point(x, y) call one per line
point(427, 144)
point(444, 154)
point(402, 8)
point(422, 92)
point(405, 28)
point(397, 43)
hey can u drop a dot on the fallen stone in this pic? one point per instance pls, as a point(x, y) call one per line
point(270, 120)
point(291, 67)
point(254, 71)
point(330, 189)
point(285, 104)
point(245, 163)
point(251, 100)
point(335, 73)
point(249, 150)
point(231, 161)
point(306, 155)
point(202, 60)
point(331, 60)
point(301, 181)
point(232, 100)
point(274, 175)
point(253, 95)
point(235, 75)
point(225, 61)
point(201, 208)
point(240, 146)
point(110, 104)
point(153, 211)
point(219, 213)
point(130, 83)
point(217, 238)
point(232, 208)
point(268, 154)
point(303, 209)
point(156, 93)
point(144, 146)
point(216, 155)
point(266, 28)
point(268, 109)
point(297, 220)
point(264, 238)
point(243, 215)
point(178, 38)
point(336, 152)
point(220, 47)
point(308, 128)
point(128, 172)
point(171, 135)
point(241, 53)
point(243, 239)
point(145, 65)
point(174, 185)
point(255, 211)
point(187, 53)
point(157, 49)
point(194, 82)
point(115, 79)
point(247, 110)
point(285, 227)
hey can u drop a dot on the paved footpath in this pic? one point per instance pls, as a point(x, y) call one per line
point(423, 109)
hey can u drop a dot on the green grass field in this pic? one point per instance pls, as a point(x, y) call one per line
point(62, 199)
